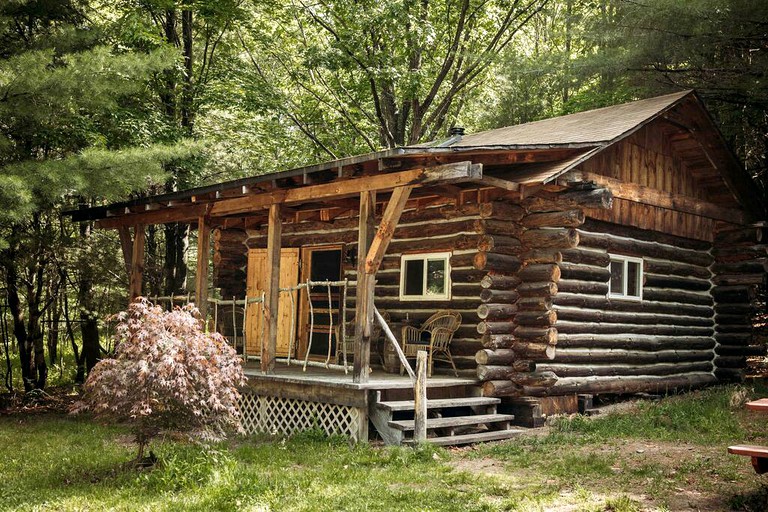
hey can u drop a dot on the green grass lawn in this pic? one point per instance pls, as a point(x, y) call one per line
point(661, 455)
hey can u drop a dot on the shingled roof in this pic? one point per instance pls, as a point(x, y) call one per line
point(597, 126)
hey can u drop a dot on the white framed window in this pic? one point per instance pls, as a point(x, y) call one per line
point(425, 276)
point(626, 278)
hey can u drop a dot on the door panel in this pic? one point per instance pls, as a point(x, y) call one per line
point(255, 282)
point(320, 264)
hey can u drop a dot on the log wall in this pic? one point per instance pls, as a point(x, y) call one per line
point(741, 263)
point(621, 345)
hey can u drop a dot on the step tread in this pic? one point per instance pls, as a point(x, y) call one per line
point(408, 405)
point(480, 437)
point(455, 421)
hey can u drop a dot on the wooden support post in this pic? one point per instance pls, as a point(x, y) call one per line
point(203, 254)
point(365, 288)
point(387, 227)
point(137, 262)
point(272, 289)
point(420, 398)
point(126, 243)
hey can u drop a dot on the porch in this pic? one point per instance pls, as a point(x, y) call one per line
point(293, 399)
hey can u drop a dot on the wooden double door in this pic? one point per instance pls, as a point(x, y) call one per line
point(296, 319)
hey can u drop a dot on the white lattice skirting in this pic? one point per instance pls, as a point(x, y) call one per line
point(287, 416)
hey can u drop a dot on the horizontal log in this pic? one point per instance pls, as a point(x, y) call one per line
point(603, 355)
point(538, 379)
point(746, 351)
point(623, 385)
point(536, 318)
point(751, 235)
point(676, 282)
point(734, 309)
point(738, 279)
point(644, 235)
point(490, 296)
point(496, 311)
point(499, 281)
point(569, 327)
point(729, 374)
point(634, 318)
point(734, 294)
point(497, 341)
point(542, 335)
point(742, 328)
point(463, 260)
point(547, 289)
point(534, 303)
point(502, 210)
point(582, 272)
point(756, 266)
point(495, 357)
point(734, 338)
point(466, 276)
point(573, 370)
point(498, 227)
point(731, 361)
point(499, 244)
point(533, 256)
point(556, 238)
point(499, 388)
point(674, 268)
point(495, 327)
point(488, 372)
point(496, 262)
point(685, 297)
point(582, 287)
point(595, 258)
point(541, 272)
point(630, 306)
point(561, 219)
point(634, 342)
point(741, 319)
point(600, 198)
point(534, 351)
point(630, 247)
point(739, 253)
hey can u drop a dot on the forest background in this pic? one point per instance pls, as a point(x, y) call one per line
point(101, 101)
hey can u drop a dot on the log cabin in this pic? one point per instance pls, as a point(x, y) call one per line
point(613, 251)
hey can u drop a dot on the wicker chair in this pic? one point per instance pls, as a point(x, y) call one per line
point(434, 336)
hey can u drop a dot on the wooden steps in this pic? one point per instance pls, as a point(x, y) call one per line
point(480, 437)
point(455, 421)
point(471, 401)
point(465, 418)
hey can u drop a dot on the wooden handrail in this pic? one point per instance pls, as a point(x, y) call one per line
point(393, 341)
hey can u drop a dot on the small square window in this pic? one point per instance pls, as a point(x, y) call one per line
point(425, 276)
point(626, 278)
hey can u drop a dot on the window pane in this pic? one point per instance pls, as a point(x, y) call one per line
point(633, 279)
point(617, 277)
point(436, 277)
point(414, 277)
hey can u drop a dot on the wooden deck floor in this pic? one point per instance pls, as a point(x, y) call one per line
point(337, 379)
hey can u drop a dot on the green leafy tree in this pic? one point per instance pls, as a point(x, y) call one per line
point(72, 108)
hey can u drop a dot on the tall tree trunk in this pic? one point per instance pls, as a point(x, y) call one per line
point(187, 92)
point(17, 317)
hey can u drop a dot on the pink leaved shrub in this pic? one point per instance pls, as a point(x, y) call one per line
point(167, 375)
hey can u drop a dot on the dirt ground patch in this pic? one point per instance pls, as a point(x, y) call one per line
point(648, 475)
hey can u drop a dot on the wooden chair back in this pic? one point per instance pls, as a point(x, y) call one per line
point(444, 319)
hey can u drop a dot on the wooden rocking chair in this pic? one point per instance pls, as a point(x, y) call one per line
point(434, 336)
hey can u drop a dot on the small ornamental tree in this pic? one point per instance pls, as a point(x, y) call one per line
point(167, 374)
